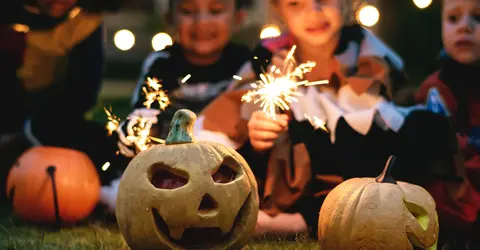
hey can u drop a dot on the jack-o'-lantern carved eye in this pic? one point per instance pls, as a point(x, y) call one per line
point(225, 173)
point(162, 177)
point(419, 213)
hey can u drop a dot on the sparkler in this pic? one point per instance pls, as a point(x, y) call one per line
point(278, 88)
point(113, 121)
point(138, 126)
point(154, 93)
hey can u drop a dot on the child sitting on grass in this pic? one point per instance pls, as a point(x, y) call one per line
point(457, 82)
point(296, 165)
point(199, 66)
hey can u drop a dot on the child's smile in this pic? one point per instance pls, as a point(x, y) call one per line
point(318, 29)
point(315, 23)
point(204, 26)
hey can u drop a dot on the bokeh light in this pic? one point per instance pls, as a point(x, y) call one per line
point(270, 31)
point(422, 4)
point(124, 39)
point(368, 15)
point(161, 40)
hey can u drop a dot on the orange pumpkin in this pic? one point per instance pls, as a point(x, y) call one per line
point(45, 180)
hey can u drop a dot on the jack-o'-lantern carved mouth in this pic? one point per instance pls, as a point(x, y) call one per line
point(199, 237)
point(196, 237)
point(191, 236)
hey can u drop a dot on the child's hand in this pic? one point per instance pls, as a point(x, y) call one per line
point(263, 131)
point(148, 115)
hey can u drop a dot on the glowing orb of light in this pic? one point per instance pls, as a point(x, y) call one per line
point(161, 40)
point(422, 4)
point(124, 39)
point(368, 15)
point(270, 32)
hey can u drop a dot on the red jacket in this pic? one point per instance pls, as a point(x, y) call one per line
point(463, 211)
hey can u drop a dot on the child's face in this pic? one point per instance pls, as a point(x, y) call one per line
point(56, 8)
point(315, 22)
point(204, 26)
point(461, 30)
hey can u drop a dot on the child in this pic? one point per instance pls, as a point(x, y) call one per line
point(198, 67)
point(356, 63)
point(457, 81)
point(51, 96)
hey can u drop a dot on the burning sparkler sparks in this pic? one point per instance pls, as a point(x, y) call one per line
point(138, 127)
point(154, 93)
point(317, 123)
point(113, 121)
point(278, 88)
point(139, 133)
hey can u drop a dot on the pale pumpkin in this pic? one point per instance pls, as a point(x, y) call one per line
point(381, 213)
point(187, 194)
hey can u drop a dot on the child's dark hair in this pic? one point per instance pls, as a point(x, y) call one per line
point(239, 4)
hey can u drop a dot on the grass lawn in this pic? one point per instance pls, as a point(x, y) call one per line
point(98, 232)
point(101, 231)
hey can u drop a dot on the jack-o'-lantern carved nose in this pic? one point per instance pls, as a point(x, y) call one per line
point(207, 205)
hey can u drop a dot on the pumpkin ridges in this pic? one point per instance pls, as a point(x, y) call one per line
point(350, 213)
point(354, 206)
point(336, 198)
point(347, 222)
point(367, 213)
point(372, 213)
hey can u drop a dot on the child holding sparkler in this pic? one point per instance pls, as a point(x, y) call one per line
point(364, 125)
point(354, 61)
point(457, 82)
point(198, 67)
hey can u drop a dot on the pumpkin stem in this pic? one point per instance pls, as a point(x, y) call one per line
point(181, 127)
point(386, 175)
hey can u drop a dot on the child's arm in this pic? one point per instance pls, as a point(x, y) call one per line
point(80, 89)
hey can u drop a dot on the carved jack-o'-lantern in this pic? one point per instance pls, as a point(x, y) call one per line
point(368, 213)
point(187, 194)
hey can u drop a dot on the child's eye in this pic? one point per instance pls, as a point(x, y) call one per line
point(452, 18)
point(476, 17)
point(217, 9)
point(186, 9)
point(293, 3)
